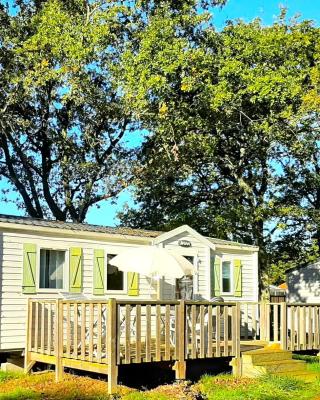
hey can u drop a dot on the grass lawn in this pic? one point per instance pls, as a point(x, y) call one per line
point(221, 387)
point(265, 388)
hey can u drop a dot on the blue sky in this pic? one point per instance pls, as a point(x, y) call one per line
point(267, 10)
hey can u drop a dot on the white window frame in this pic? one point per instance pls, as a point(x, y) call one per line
point(114, 252)
point(65, 287)
point(230, 260)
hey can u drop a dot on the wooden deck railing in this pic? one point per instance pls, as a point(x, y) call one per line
point(302, 326)
point(99, 336)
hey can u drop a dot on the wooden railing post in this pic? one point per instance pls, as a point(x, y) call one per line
point(236, 331)
point(180, 364)
point(283, 326)
point(59, 340)
point(28, 364)
point(112, 346)
point(264, 321)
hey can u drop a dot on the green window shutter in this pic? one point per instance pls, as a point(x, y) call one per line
point(29, 268)
point(237, 278)
point(216, 277)
point(75, 270)
point(133, 284)
point(98, 272)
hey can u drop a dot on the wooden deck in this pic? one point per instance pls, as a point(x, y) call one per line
point(99, 336)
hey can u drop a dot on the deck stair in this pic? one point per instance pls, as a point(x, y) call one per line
point(273, 360)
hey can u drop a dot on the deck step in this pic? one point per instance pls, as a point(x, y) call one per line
point(277, 362)
point(263, 355)
point(274, 367)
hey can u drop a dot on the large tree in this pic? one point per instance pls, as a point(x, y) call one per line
point(222, 117)
point(63, 120)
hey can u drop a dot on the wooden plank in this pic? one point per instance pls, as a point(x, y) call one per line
point(316, 328)
point(225, 330)
point(313, 332)
point(180, 364)
point(99, 332)
point(119, 332)
point(233, 328)
point(176, 334)
point(267, 321)
point(276, 323)
point(28, 347)
point(292, 328)
point(85, 365)
point(210, 332)
point(105, 317)
point(75, 330)
point(283, 328)
point(246, 321)
point(299, 339)
point(167, 354)
point(218, 331)
point(152, 302)
point(187, 330)
point(261, 319)
point(254, 320)
point(148, 333)
point(36, 328)
point(158, 332)
point(91, 331)
point(193, 331)
point(237, 332)
point(68, 328)
point(83, 331)
point(44, 358)
point(112, 346)
point(202, 340)
point(310, 330)
point(50, 332)
point(59, 340)
point(288, 327)
point(303, 327)
point(127, 322)
point(138, 333)
point(42, 327)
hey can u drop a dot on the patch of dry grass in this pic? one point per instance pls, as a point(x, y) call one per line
point(71, 388)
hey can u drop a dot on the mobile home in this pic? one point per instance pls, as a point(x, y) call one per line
point(51, 259)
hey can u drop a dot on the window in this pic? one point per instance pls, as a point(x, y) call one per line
point(226, 276)
point(51, 269)
point(190, 259)
point(115, 279)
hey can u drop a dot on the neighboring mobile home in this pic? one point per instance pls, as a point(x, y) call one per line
point(304, 284)
point(50, 259)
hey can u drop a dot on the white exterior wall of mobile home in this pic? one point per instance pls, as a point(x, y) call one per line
point(13, 302)
point(304, 284)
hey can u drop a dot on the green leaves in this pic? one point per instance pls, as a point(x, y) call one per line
point(227, 112)
point(63, 118)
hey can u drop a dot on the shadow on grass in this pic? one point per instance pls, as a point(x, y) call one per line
point(151, 375)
